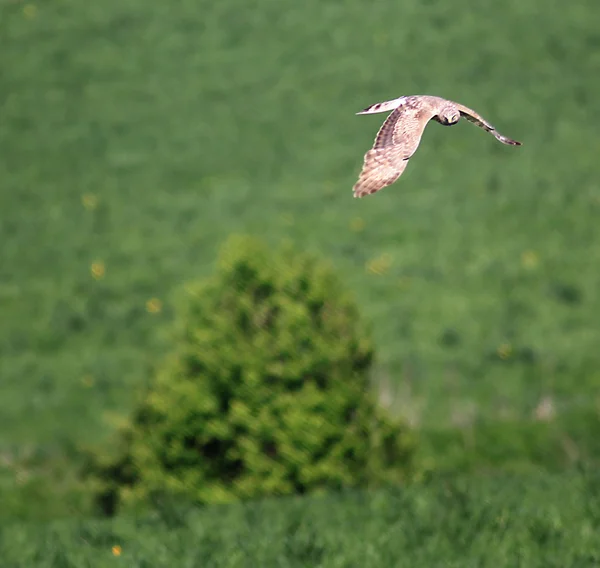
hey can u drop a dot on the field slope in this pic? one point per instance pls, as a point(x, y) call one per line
point(138, 134)
point(505, 522)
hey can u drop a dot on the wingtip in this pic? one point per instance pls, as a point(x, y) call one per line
point(375, 108)
point(361, 192)
point(357, 193)
point(506, 140)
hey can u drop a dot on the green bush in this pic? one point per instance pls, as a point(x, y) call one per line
point(266, 392)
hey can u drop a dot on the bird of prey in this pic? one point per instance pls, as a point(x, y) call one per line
point(400, 135)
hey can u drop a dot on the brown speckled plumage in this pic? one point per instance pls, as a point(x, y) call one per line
point(400, 136)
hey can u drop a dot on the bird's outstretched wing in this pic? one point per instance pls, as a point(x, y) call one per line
point(475, 118)
point(397, 140)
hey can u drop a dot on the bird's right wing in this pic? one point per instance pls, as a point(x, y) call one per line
point(397, 140)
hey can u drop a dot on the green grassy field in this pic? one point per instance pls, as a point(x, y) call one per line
point(137, 135)
point(533, 522)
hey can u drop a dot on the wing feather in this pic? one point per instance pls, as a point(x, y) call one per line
point(397, 140)
point(477, 119)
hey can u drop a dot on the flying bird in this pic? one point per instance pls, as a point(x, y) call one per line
point(400, 135)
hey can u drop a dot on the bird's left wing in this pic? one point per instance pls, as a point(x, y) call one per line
point(475, 118)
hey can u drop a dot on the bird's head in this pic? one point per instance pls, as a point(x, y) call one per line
point(448, 116)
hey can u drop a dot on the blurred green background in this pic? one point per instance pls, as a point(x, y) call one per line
point(136, 136)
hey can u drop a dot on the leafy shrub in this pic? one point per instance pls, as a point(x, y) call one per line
point(266, 392)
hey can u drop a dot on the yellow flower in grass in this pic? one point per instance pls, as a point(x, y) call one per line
point(98, 269)
point(504, 351)
point(529, 259)
point(29, 11)
point(116, 550)
point(380, 264)
point(153, 306)
point(88, 381)
point(89, 201)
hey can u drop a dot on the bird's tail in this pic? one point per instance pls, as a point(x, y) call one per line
point(383, 107)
